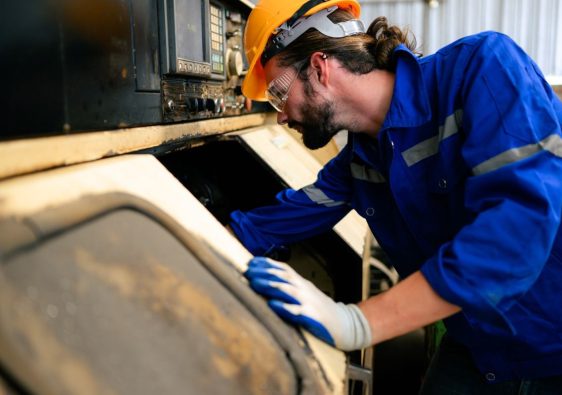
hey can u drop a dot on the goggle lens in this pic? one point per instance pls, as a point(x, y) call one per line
point(278, 89)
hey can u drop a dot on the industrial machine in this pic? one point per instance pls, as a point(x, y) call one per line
point(125, 141)
point(79, 65)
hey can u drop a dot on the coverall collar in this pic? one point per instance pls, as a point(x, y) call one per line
point(410, 103)
point(409, 106)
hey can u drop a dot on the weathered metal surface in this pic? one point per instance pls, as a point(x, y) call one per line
point(30, 155)
point(138, 175)
point(150, 287)
point(119, 306)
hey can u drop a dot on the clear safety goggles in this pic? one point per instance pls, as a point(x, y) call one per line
point(277, 91)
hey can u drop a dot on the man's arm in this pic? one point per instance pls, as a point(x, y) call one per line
point(409, 305)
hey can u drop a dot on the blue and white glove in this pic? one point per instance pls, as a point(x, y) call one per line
point(298, 301)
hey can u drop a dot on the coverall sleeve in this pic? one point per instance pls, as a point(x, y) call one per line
point(513, 145)
point(298, 214)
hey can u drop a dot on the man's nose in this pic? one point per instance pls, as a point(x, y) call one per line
point(282, 118)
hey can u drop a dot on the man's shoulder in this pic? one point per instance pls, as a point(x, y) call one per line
point(476, 42)
point(476, 50)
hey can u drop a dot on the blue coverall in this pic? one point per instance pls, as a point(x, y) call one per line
point(463, 182)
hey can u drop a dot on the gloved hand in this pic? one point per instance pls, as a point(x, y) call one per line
point(298, 301)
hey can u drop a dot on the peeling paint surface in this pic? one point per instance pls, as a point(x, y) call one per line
point(146, 320)
point(138, 316)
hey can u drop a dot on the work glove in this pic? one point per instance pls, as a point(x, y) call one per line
point(298, 301)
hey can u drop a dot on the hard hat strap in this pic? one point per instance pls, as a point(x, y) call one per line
point(293, 29)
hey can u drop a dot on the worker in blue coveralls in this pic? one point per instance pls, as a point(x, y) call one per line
point(455, 161)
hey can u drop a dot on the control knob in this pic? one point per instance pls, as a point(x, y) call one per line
point(235, 62)
point(192, 105)
point(215, 105)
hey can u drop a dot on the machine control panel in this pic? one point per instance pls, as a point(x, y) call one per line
point(207, 51)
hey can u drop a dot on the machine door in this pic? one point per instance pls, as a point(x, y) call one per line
point(108, 294)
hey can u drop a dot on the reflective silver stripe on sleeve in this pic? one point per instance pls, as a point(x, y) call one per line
point(319, 197)
point(365, 173)
point(552, 144)
point(430, 147)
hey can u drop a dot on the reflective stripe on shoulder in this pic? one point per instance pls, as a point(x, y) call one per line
point(364, 173)
point(319, 197)
point(552, 144)
point(430, 147)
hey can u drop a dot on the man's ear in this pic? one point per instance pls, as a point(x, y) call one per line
point(320, 67)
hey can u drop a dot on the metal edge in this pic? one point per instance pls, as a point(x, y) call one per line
point(18, 157)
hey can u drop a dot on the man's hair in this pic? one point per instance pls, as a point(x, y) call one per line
point(359, 54)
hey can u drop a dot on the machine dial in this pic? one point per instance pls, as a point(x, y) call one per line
point(211, 105)
point(235, 62)
point(191, 103)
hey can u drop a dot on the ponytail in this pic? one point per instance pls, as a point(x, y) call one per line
point(386, 39)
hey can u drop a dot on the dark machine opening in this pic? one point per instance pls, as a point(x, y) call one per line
point(226, 175)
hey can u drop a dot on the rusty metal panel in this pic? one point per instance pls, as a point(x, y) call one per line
point(117, 305)
point(38, 206)
point(533, 24)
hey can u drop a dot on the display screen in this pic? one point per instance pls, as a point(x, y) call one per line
point(190, 39)
point(187, 34)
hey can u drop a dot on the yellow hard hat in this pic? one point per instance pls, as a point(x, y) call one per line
point(264, 19)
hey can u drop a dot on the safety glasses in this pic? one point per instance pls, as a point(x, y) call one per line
point(278, 89)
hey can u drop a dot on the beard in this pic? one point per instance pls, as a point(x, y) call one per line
point(319, 127)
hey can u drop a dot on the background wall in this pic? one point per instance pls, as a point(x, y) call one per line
point(533, 24)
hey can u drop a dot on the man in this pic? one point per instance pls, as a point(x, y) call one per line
point(454, 159)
